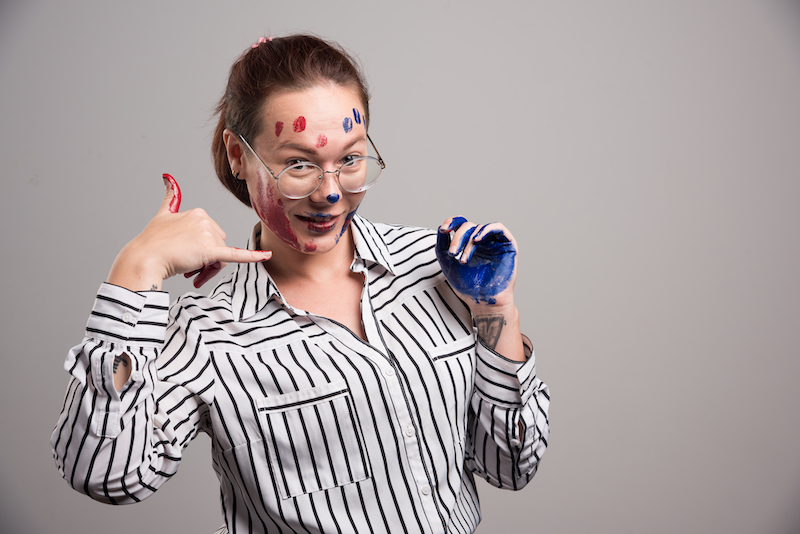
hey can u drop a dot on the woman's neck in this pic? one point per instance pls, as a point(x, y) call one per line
point(288, 263)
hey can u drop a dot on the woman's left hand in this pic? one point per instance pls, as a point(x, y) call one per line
point(480, 262)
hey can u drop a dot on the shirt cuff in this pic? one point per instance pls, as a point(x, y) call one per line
point(122, 315)
point(500, 380)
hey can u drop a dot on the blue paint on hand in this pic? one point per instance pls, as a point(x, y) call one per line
point(488, 270)
point(347, 124)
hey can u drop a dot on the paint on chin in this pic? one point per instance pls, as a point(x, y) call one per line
point(270, 210)
point(346, 224)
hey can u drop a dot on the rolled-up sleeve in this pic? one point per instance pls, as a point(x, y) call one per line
point(508, 419)
point(106, 443)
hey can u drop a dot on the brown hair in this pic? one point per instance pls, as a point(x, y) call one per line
point(288, 63)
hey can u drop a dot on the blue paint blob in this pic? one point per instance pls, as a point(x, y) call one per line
point(333, 198)
point(347, 124)
point(487, 272)
point(357, 116)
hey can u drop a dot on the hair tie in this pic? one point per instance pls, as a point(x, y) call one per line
point(261, 40)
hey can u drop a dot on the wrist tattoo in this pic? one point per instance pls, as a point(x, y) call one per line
point(489, 328)
point(119, 359)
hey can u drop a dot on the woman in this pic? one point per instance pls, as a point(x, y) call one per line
point(352, 376)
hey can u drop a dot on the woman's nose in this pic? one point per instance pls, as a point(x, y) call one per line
point(329, 190)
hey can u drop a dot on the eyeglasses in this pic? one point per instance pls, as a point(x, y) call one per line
point(355, 175)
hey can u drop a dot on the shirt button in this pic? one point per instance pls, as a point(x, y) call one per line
point(410, 431)
point(127, 317)
point(136, 376)
point(425, 490)
point(388, 371)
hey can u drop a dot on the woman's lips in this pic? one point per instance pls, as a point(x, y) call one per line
point(319, 223)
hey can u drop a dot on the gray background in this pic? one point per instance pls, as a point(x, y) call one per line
point(644, 154)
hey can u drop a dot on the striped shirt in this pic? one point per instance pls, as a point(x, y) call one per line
point(313, 429)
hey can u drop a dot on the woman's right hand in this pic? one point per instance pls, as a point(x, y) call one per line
point(176, 242)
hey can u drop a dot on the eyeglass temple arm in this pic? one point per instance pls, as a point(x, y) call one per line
point(380, 159)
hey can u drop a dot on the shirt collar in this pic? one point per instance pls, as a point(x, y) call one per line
point(253, 287)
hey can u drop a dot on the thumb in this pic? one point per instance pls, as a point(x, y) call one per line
point(172, 199)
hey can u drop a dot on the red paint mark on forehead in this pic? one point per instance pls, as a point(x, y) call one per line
point(322, 141)
point(278, 128)
point(299, 124)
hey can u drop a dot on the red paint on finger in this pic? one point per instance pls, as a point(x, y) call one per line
point(322, 141)
point(175, 203)
point(299, 124)
point(278, 128)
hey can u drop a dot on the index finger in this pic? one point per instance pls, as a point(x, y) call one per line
point(239, 255)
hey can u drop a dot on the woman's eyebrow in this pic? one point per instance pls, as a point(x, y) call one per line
point(312, 150)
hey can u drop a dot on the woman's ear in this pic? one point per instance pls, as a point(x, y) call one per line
point(235, 150)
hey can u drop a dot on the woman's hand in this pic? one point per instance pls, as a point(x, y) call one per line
point(173, 243)
point(480, 262)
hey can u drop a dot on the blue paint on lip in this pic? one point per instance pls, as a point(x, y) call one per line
point(487, 272)
point(333, 198)
point(357, 116)
point(347, 124)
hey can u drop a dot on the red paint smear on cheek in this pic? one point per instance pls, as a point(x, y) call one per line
point(299, 124)
point(271, 212)
point(278, 128)
point(322, 141)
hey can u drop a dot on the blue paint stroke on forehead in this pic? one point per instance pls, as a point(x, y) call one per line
point(487, 273)
point(347, 124)
point(357, 116)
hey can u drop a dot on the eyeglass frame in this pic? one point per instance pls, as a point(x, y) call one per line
point(379, 159)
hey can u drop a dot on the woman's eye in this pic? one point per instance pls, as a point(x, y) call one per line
point(350, 160)
point(298, 163)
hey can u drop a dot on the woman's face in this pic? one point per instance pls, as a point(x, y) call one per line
point(322, 125)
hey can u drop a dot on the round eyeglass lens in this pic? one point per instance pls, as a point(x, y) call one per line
point(355, 176)
point(359, 173)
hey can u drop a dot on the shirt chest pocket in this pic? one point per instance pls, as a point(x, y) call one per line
point(314, 439)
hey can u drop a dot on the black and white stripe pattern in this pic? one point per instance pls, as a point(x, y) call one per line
point(313, 429)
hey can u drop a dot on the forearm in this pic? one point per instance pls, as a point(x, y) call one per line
point(498, 328)
point(131, 270)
